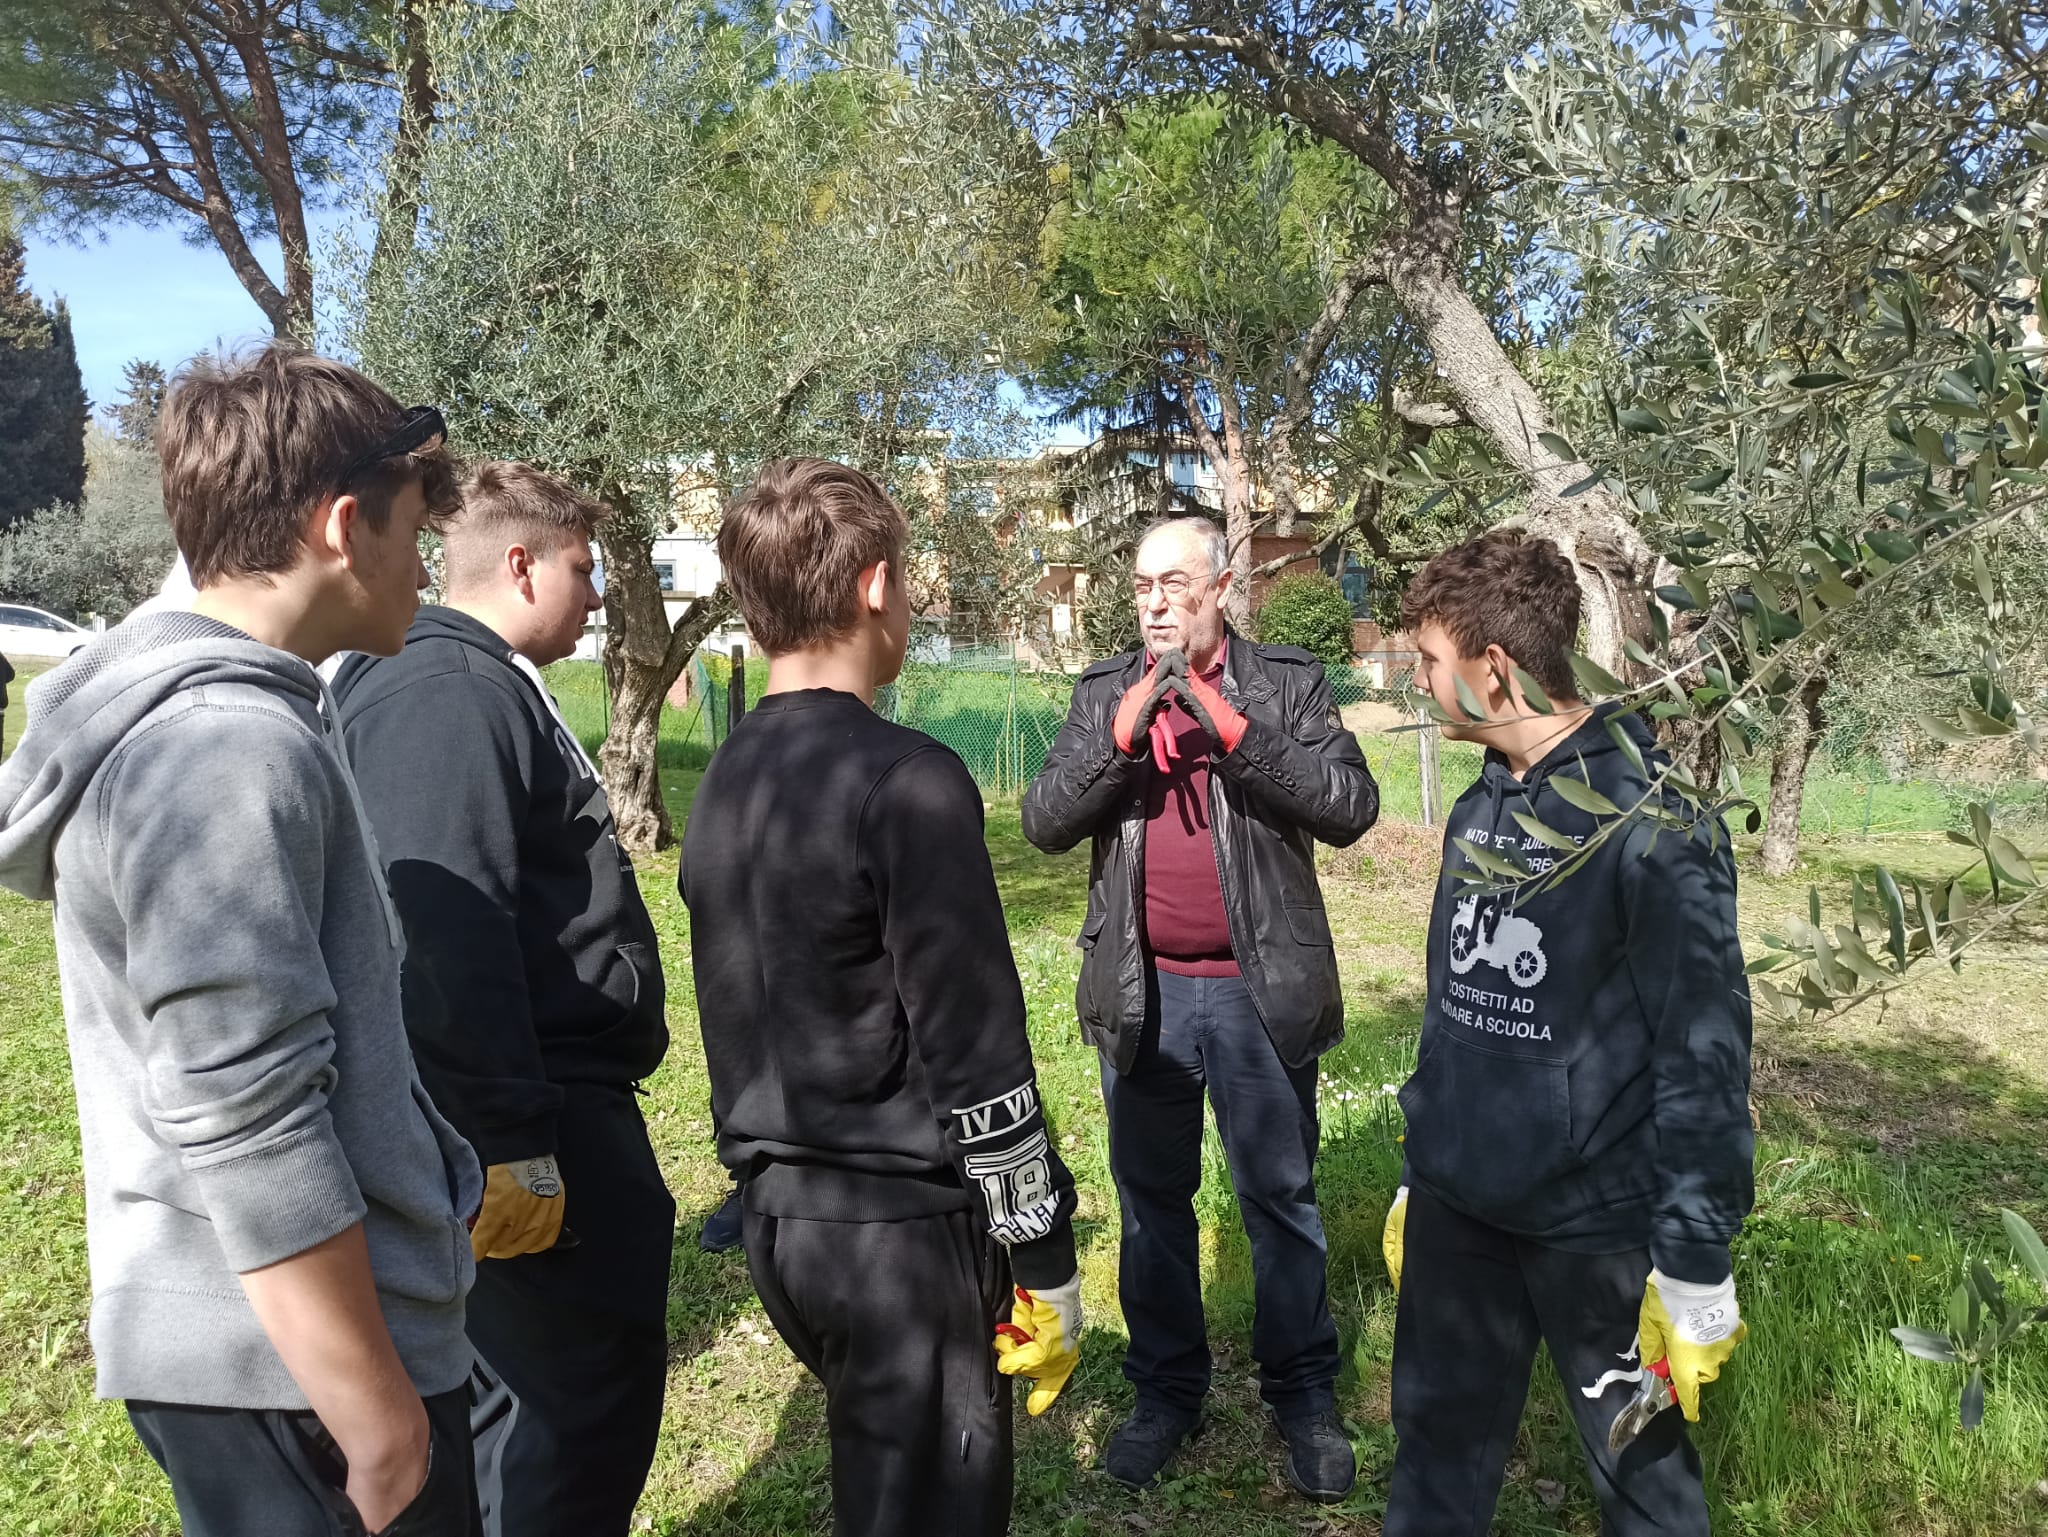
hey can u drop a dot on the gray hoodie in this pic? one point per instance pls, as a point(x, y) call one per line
point(229, 959)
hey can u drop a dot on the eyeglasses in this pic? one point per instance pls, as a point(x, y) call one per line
point(420, 431)
point(1175, 584)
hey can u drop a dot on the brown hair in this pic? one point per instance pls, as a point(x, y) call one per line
point(251, 445)
point(794, 543)
point(504, 503)
point(1509, 589)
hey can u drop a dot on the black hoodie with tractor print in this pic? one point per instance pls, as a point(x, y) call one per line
point(1583, 1077)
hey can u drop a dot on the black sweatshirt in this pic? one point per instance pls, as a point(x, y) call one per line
point(1584, 1069)
point(530, 959)
point(863, 1022)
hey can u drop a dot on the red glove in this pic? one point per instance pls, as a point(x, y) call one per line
point(1165, 750)
point(1141, 702)
point(1215, 714)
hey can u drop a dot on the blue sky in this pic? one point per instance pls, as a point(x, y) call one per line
point(146, 293)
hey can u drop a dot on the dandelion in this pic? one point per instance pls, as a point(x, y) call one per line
point(1912, 1259)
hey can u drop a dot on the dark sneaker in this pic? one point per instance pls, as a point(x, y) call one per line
point(722, 1228)
point(1145, 1442)
point(1320, 1462)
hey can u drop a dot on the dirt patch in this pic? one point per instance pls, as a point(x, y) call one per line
point(1813, 1091)
point(1370, 716)
point(1393, 852)
point(1902, 1084)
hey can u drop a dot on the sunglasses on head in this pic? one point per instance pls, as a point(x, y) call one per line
point(420, 431)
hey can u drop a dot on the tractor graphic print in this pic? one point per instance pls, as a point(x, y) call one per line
point(1500, 938)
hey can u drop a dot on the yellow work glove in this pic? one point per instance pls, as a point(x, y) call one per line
point(522, 1210)
point(1393, 1235)
point(1042, 1341)
point(1695, 1328)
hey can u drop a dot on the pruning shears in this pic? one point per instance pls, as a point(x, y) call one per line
point(1652, 1397)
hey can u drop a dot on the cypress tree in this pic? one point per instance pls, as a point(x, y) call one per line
point(43, 407)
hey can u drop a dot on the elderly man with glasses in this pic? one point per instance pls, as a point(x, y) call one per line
point(1205, 767)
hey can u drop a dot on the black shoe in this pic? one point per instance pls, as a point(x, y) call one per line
point(1146, 1441)
point(1320, 1462)
point(722, 1228)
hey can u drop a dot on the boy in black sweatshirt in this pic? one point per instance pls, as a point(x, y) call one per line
point(864, 1030)
point(1578, 1146)
point(534, 1002)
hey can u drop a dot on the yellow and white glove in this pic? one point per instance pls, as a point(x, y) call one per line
point(1695, 1328)
point(1042, 1341)
point(1394, 1236)
point(522, 1210)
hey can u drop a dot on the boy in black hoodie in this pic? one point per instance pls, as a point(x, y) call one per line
point(534, 1000)
point(864, 1029)
point(1578, 1146)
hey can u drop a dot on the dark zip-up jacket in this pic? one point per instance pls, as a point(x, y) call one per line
point(530, 958)
point(1584, 1068)
point(863, 1020)
point(1296, 778)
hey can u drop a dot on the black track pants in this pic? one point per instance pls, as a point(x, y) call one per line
point(572, 1343)
point(897, 1319)
point(1474, 1302)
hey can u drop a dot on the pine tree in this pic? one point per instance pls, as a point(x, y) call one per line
point(142, 399)
point(42, 397)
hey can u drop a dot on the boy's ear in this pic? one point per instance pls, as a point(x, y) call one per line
point(1502, 666)
point(519, 562)
point(335, 528)
point(874, 587)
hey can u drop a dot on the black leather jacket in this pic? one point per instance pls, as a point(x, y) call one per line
point(1296, 778)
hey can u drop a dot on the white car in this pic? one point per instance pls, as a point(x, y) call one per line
point(26, 631)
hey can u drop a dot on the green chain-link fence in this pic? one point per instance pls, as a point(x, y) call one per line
point(1001, 714)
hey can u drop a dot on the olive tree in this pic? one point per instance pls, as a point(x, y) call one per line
point(651, 252)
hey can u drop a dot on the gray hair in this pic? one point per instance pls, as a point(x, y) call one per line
point(1213, 544)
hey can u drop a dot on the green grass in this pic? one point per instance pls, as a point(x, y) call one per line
point(1888, 1142)
point(1842, 803)
point(26, 671)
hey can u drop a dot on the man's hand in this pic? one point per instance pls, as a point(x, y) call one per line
point(1394, 1237)
point(522, 1210)
point(1695, 1328)
point(1042, 1341)
point(1141, 702)
point(1215, 714)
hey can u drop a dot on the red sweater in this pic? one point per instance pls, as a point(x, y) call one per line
point(1186, 930)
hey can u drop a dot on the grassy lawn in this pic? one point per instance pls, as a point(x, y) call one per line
point(1889, 1141)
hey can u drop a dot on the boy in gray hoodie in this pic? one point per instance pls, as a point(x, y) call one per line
point(275, 1211)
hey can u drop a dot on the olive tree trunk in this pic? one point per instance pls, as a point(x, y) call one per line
point(1804, 722)
point(643, 656)
point(1420, 261)
point(1227, 457)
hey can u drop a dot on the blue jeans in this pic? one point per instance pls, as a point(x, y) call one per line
point(1205, 1035)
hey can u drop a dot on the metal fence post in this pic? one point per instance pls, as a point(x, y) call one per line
point(1010, 745)
point(1426, 766)
point(736, 691)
